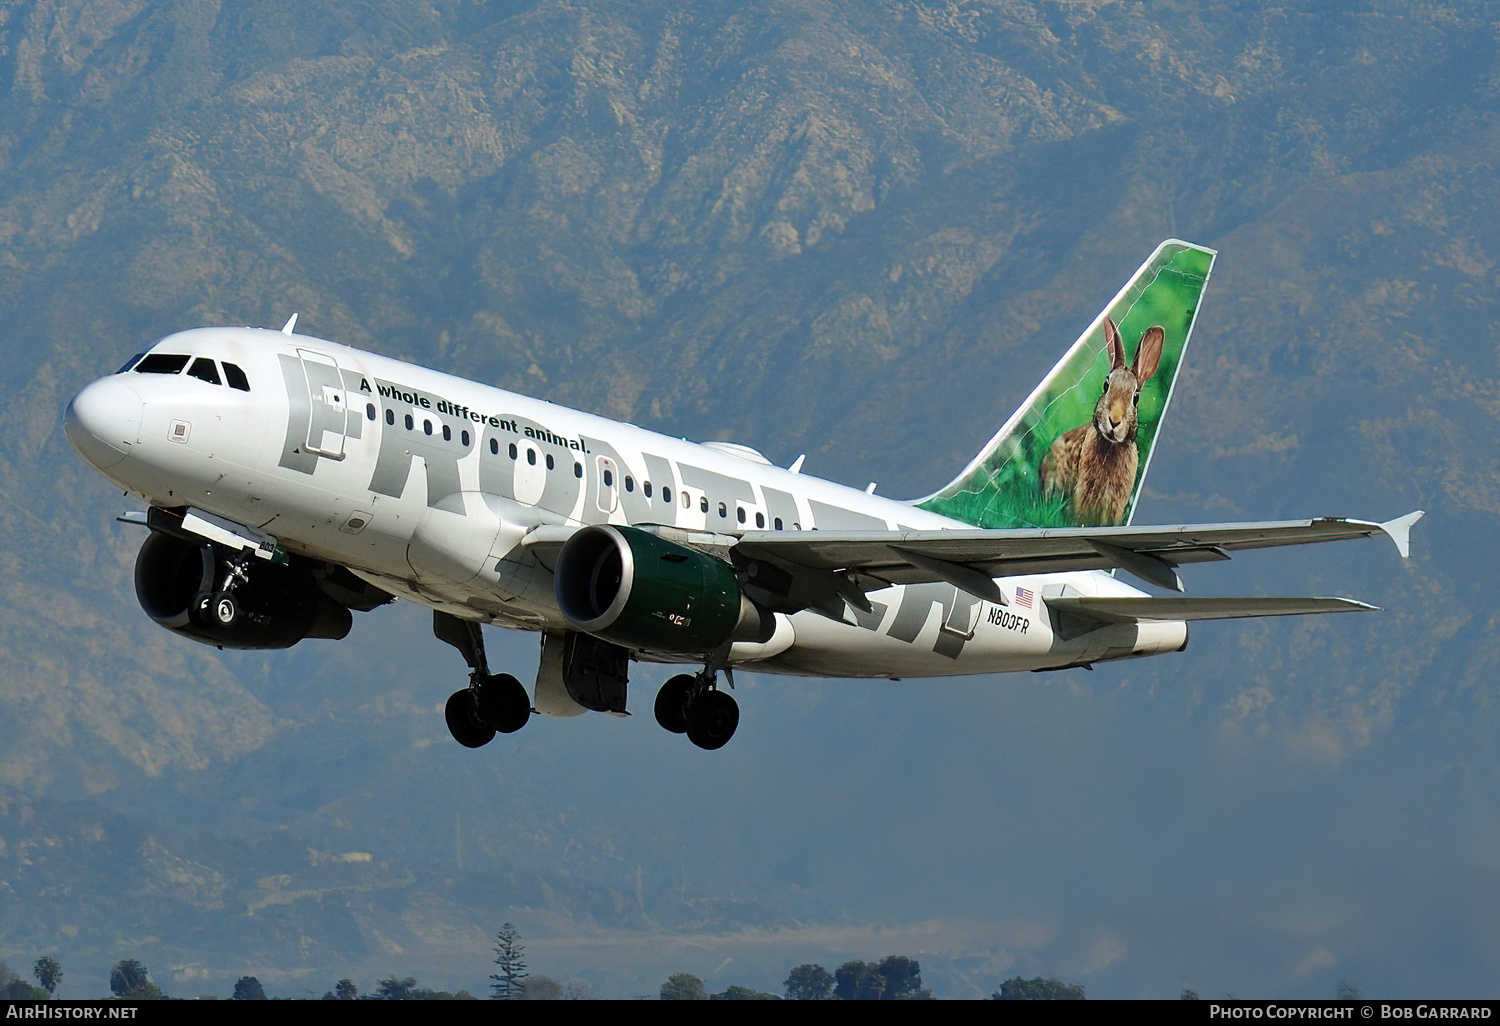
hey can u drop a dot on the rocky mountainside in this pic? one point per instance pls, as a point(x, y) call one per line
point(856, 230)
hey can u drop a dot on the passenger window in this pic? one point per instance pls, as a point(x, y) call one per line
point(512, 450)
point(161, 363)
point(494, 447)
point(531, 456)
point(739, 513)
point(703, 504)
point(609, 478)
point(390, 416)
point(578, 470)
point(447, 433)
point(463, 439)
point(666, 495)
point(204, 370)
point(760, 520)
point(236, 378)
point(427, 427)
point(723, 510)
point(408, 422)
point(777, 522)
point(687, 502)
point(550, 463)
point(645, 487)
point(369, 411)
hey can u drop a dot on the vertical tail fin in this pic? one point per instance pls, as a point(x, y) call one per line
point(1076, 452)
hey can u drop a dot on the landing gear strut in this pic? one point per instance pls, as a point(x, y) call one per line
point(692, 704)
point(219, 608)
point(491, 702)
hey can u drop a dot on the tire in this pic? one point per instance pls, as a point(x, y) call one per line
point(223, 610)
point(503, 703)
point(672, 703)
point(464, 722)
point(712, 719)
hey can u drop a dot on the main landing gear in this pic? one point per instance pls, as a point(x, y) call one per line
point(492, 702)
point(692, 704)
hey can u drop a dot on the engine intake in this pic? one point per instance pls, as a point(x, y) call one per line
point(632, 588)
point(280, 604)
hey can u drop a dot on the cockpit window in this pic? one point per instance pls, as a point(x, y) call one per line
point(129, 363)
point(161, 363)
point(236, 377)
point(204, 370)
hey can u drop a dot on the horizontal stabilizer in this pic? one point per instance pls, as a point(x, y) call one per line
point(1131, 609)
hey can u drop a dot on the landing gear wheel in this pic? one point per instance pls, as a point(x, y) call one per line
point(503, 703)
point(672, 703)
point(464, 723)
point(223, 609)
point(711, 720)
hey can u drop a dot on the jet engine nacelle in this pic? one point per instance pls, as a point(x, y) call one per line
point(634, 589)
point(277, 605)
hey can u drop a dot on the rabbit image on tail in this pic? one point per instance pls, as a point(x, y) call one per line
point(1094, 466)
point(1071, 457)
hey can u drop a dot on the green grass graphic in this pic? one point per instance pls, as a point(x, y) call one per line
point(1004, 489)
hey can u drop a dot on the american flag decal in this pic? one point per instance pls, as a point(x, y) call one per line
point(1024, 597)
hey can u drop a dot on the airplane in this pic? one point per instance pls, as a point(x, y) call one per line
point(291, 481)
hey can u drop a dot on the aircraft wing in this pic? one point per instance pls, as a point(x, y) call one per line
point(968, 559)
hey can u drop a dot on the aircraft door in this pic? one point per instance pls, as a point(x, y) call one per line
point(328, 421)
point(609, 482)
point(964, 617)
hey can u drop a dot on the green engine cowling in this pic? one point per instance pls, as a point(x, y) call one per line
point(634, 589)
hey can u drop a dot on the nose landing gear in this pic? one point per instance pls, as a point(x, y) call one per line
point(220, 608)
point(223, 610)
point(691, 704)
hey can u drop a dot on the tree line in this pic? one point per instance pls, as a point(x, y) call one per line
point(893, 978)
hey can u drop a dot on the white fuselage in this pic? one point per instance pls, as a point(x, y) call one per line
point(425, 484)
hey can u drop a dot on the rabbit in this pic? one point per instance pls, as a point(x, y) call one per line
point(1095, 465)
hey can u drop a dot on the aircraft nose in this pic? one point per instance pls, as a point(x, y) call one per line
point(104, 421)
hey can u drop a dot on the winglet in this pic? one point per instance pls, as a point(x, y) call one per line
point(291, 322)
point(1400, 531)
